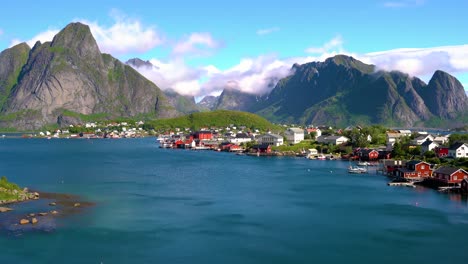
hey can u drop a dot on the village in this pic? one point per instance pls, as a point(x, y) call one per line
point(408, 157)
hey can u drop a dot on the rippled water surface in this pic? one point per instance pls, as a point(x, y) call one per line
point(175, 206)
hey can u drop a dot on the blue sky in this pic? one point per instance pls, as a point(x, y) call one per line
point(201, 47)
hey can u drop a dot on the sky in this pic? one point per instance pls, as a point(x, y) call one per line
point(200, 47)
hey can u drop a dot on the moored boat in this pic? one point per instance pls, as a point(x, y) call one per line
point(357, 170)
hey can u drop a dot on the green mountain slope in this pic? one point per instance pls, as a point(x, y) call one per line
point(219, 118)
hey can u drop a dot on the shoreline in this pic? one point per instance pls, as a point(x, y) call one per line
point(18, 217)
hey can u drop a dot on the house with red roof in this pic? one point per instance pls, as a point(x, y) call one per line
point(450, 175)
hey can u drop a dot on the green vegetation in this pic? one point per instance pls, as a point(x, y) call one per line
point(86, 118)
point(454, 138)
point(220, 118)
point(5, 185)
point(23, 114)
point(20, 54)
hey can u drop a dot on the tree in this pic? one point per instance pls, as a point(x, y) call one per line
point(398, 151)
point(429, 154)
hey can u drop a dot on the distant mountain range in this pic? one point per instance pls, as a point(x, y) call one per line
point(67, 78)
point(342, 91)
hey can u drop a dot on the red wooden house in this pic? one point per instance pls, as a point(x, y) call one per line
point(450, 175)
point(366, 154)
point(415, 169)
point(441, 151)
point(203, 135)
point(262, 148)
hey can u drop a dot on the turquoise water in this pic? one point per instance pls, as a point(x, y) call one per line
point(176, 206)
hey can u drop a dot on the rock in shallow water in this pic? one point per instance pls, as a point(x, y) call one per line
point(5, 209)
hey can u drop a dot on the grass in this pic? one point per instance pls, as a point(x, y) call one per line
point(4, 183)
point(220, 118)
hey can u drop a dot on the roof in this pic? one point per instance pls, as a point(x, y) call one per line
point(427, 143)
point(366, 151)
point(242, 135)
point(415, 162)
point(457, 145)
point(296, 130)
point(422, 137)
point(273, 135)
point(448, 170)
point(334, 137)
point(395, 135)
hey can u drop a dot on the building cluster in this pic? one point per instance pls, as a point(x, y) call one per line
point(97, 130)
point(416, 170)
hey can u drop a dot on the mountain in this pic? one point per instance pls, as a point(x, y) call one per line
point(231, 99)
point(342, 91)
point(138, 63)
point(208, 102)
point(70, 75)
point(444, 95)
point(182, 103)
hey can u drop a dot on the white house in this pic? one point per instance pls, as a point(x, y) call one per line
point(441, 139)
point(315, 130)
point(240, 138)
point(270, 139)
point(428, 146)
point(335, 140)
point(405, 132)
point(458, 150)
point(421, 139)
point(394, 137)
point(294, 135)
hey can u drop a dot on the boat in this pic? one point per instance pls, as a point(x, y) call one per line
point(363, 163)
point(321, 157)
point(356, 170)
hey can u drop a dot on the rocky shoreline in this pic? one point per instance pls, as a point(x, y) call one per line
point(20, 195)
point(46, 208)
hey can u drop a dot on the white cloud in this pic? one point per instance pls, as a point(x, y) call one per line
point(198, 43)
point(176, 75)
point(403, 3)
point(422, 61)
point(267, 31)
point(1, 32)
point(124, 36)
point(42, 37)
point(252, 75)
point(335, 44)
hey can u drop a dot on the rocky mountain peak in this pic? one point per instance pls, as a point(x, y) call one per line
point(77, 36)
point(445, 95)
point(350, 62)
point(138, 63)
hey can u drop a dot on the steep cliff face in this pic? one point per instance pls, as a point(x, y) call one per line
point(208, 102)
point(445, 95)
point(12, 61)
point(70, 73)
point(235, 100)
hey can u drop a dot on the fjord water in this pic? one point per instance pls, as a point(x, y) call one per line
point(177, 206)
